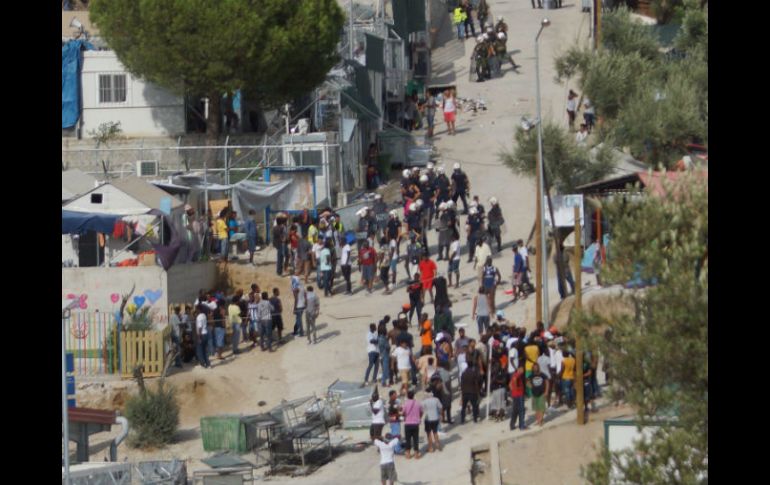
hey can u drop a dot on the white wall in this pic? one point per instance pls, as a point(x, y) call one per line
point(148, 110)
point(100, 285)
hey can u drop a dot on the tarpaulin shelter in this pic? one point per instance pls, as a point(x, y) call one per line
point(71, 63)
point(80, 222)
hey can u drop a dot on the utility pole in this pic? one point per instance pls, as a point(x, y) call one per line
point(539, 248)
point(578, 308)
point(350, 28)
point(598, 34)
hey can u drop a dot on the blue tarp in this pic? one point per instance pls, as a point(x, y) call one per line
point(71, 60)
point(79, 222)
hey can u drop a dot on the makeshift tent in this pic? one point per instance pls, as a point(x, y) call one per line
point(71, 62)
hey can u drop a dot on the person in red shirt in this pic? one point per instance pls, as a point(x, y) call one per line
point(428, 272)
point(294, 244)
point(517, 394)
point(367, 256)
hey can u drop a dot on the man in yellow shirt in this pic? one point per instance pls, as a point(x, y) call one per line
point(220, 229)
point(531, 352)
point(568, 379)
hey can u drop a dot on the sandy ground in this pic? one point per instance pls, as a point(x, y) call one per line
point(296, 369)
point(554, 456)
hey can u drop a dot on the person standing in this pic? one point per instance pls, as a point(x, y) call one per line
point(345, 266)
point(427, 273)
point(313, 309)
point(568, 379)
point(518, 270)
point(490, 279)
point(412, 417)
point(378, 415)
point(432, 408)
point(372, 341)
point(251, 234)
point(482, 12)
point(571, 108)
point(253, 317)
point(220, 321)
point(383, 262)
point(315, 252)
point(430, 113)
point(531, 353)
point(449, 107)
point(499, 379)
point(388, 473)
point(468, 8)
point(383, 347)
point(300, 304)
point(265, 316)
point(517, 396)
point(460, 187)
point(567, 273)
point(275, 301)
point(555, 364)
point(454, 260)
point(481, 310)
point(404, 360)
point(220, 228)
point(470, 385)
point(234, 317)
point(538, 383)
point(326, 268)
point(367, 257)
point(414, 289)
point(495, 222)
point(458, 19)
point(279, 241)
point(394, 413)
point(201, 328)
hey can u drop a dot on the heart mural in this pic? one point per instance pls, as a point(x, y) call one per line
point(114, 297)
point(153, 296)
point(83, 304)
point(138, 301)
point(71, 296)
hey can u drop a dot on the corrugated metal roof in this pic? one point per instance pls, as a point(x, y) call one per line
point(144, 192)
point(74, 182)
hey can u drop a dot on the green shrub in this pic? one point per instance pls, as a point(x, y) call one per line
point(153, 416)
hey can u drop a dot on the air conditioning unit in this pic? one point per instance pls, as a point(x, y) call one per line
point(147, 168)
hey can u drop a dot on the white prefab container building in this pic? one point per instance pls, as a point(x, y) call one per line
point(111, 94)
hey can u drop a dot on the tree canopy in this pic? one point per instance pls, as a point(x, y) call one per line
point(273, 50)
point(658, 355)
point(567, 165)
point(652, 102)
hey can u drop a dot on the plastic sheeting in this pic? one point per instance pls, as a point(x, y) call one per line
point(80, 222)
point(71, 61)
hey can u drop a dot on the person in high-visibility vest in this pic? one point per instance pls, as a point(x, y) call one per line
point(458, 19)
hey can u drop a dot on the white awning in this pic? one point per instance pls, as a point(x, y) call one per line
point(348, 126)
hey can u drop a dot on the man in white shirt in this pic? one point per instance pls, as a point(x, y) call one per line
point(582, 135)
point(201, 328)
point(378, 416)
point(387, 466)
point(345, 266)
point(454, 260)
point(556, 360)
point(374, 355)
point(524, 252)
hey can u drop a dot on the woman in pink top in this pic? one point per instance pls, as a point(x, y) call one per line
point(412, 416)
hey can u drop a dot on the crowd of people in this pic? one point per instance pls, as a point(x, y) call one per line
point(200, 331)
point(506, 364)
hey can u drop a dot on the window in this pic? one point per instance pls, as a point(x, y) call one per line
point(112, 88)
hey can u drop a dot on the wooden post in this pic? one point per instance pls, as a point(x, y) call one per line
point(578, 308)
point(538, 245)
point(598, 37)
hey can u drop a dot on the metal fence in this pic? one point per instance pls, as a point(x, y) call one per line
point(91, 338)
